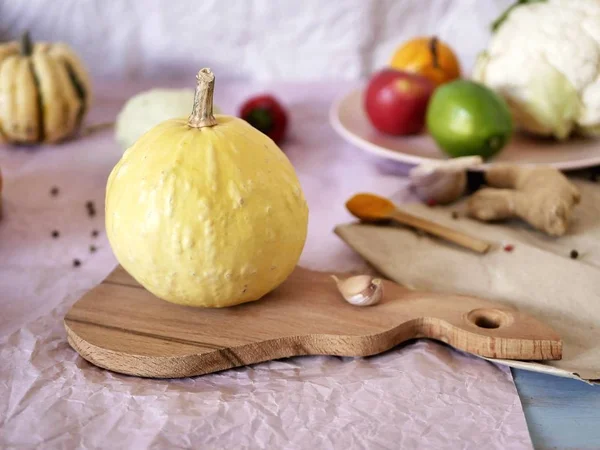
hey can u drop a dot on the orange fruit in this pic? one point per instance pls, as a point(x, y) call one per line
point(429, 57)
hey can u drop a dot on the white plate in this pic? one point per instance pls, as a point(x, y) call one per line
point(348, 118)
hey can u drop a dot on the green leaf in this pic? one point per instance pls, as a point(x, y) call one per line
point(496, 23)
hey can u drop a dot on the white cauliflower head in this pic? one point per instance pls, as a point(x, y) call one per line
point(544, 59)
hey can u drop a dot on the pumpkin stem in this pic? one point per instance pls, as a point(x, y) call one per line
point(26, 45)
point(202, 114)
point(433, 48)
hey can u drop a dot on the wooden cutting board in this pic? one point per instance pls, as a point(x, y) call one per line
point(122, 327)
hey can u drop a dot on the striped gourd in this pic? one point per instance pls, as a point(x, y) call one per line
point(44, 92)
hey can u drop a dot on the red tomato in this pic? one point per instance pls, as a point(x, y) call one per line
point(266, 114)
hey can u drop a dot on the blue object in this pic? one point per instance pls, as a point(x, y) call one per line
point(561, 413)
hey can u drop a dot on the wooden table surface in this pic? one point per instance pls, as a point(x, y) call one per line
point(561, 413)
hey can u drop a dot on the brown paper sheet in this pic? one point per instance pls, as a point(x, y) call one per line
point(538, 276)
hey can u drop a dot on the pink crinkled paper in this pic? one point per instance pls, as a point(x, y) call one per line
point(420, 395)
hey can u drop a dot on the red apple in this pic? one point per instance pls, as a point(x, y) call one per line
point(396, 101)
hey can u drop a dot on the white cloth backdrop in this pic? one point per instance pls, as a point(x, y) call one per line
point(256, 39)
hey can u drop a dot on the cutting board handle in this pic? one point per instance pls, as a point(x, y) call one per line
point(481, 327)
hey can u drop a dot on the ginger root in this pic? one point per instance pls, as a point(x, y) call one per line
point(542, 196)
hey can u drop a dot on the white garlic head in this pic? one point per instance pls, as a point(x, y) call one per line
point(442, 182)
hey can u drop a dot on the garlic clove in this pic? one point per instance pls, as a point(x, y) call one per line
point(360, 290)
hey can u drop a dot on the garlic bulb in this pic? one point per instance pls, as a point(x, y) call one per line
point(360, 290)
point(442, 182)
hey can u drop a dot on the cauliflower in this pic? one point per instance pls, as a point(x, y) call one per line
point(544, 59)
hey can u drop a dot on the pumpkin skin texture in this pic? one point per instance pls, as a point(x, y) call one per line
point(207, 217)
point(428, 57)
point(44, 92)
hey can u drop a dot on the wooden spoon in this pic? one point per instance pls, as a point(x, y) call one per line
point(372, 208)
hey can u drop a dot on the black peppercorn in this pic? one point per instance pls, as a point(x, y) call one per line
point(95, 233)
point(91, 209)
point(54, 191)
point(55, 234)
point(76, 263)
point(574, 254)
point(92, 249)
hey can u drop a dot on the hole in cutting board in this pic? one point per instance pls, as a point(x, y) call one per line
point(489, 318)
point(486, 322)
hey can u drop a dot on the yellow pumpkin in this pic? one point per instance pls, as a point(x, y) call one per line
point(427, 56)
point(206, 211)
point(44, 92)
